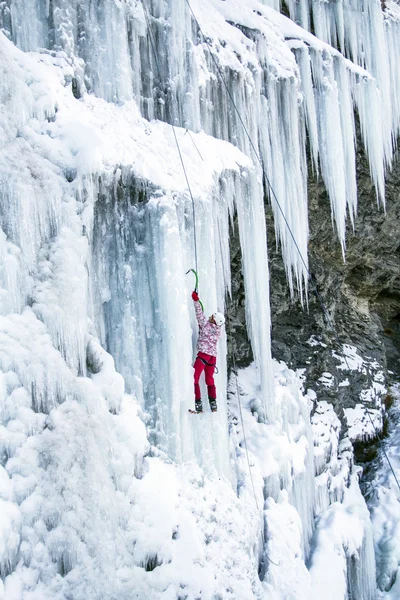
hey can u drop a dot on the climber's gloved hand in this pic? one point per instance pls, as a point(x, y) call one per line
point(195, 296)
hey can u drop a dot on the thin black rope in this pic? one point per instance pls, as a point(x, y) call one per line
point(235, 371)
point(249, 138)
point(191, 195)
point(194, 144)
point(236, 377)
point(242, 422)
point(381, 442)
point(311, 278)
point(369, 372)
point(147, 17)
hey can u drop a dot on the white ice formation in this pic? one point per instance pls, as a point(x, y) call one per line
point(107, 489)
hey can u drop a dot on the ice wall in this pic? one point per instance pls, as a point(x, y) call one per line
point(142, 248)
point(343, 557)
point(97, 232)
point(343, 561)
point(270, 67)
point(81, 513)
point(383, 501)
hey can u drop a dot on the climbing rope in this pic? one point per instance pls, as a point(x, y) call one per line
point(147, 17)
point(220, 72)
point(272, 191)
point(194, 144)
point(235, 371)
point(191, 195)
point(237, 383)
point(196, 275)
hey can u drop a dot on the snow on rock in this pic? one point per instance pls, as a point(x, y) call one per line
point(327, 380)
point(290, 455)
point(349, 359)
point(315, 341)
point(365, 419)
point(363, 423)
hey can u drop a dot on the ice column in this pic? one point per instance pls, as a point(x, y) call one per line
point(251, 221)
point(143, 245)
point(282, 148)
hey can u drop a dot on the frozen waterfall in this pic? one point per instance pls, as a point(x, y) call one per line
point(97, 331)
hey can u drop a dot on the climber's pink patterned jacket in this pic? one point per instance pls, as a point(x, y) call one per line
point(209, 333)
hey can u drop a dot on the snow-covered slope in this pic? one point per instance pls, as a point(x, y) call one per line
point(108, 488)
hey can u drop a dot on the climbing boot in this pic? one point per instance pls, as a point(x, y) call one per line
point(213, 404)
point(198, 405)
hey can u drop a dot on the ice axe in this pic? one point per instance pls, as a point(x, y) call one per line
point(196, 285)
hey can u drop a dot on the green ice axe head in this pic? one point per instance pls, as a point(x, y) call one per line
point(196, 285)
point(197, 278)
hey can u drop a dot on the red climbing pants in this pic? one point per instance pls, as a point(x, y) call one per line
point(205, 362)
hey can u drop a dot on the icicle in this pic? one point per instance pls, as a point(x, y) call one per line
point(369, 107)
point(282, 148)
point(253, 243)
point(364, 33)
point(331, 140)
point(344, 559)
point(392, 30)
point(303, 59)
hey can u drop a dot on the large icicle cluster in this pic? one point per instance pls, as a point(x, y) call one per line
point(369, 37)
point(80, 506)
point(261, 74)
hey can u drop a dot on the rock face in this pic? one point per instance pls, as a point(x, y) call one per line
point(361, 296)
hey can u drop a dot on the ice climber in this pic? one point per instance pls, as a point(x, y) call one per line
point(209, 334)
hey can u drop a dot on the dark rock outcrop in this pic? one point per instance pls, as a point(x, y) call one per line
point(361, 296)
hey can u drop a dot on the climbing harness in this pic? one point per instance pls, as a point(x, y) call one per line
point(208, 364)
